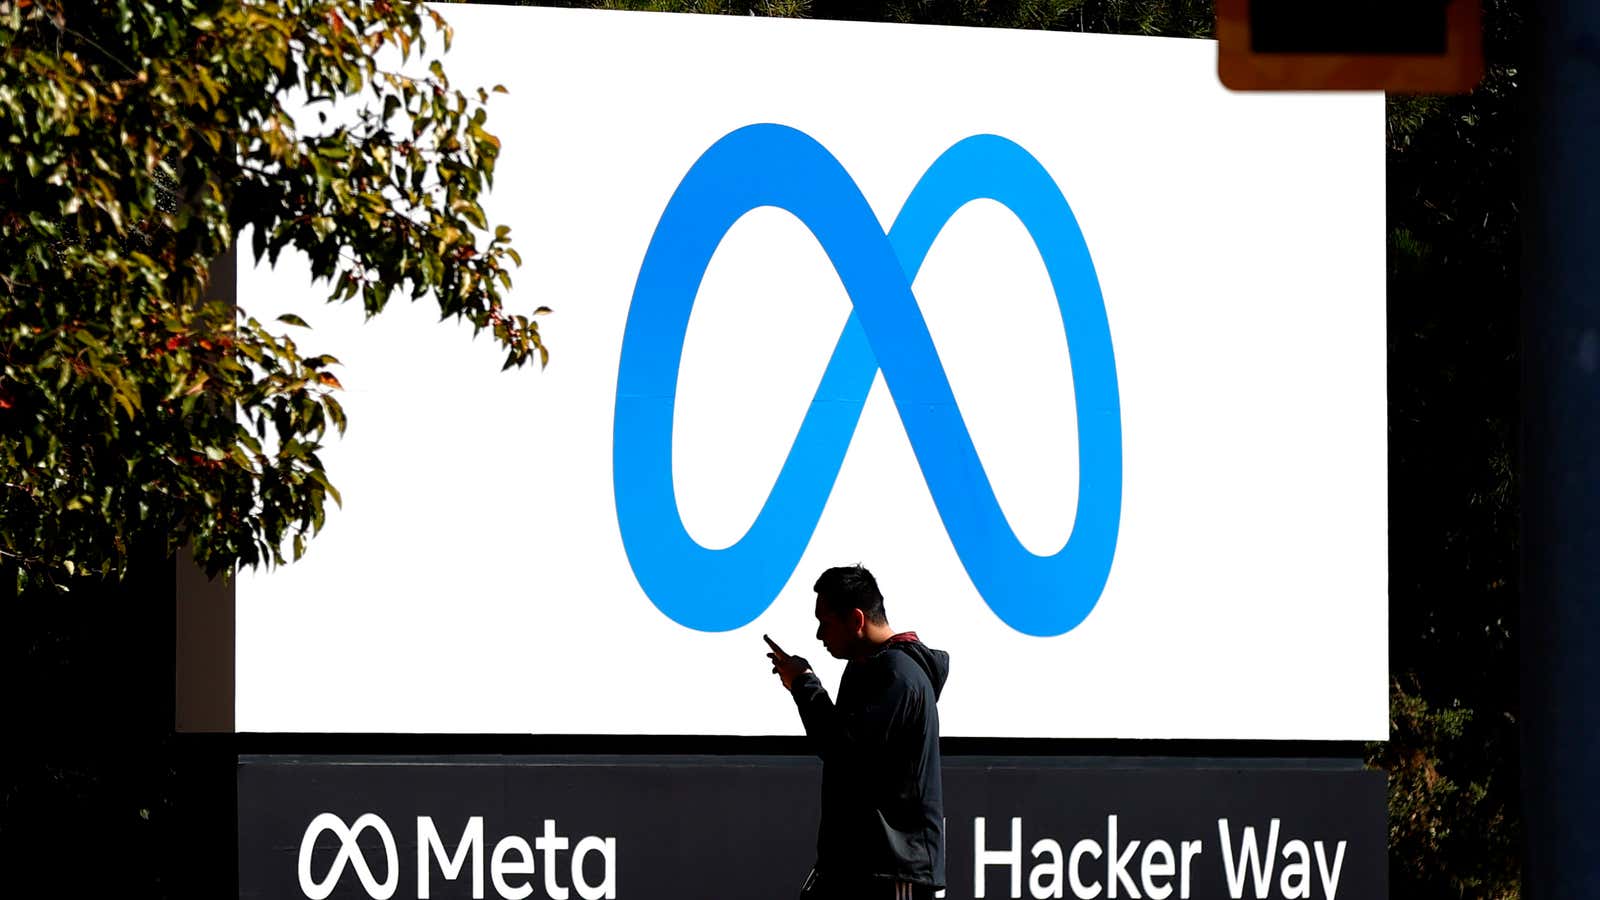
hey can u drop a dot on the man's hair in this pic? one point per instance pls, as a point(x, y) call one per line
point(843, 588)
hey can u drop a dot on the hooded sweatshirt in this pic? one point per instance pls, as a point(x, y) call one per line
point(882, 797)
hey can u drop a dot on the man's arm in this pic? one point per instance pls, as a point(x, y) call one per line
point(856, 730)
point(817, 712)
point(876, 697)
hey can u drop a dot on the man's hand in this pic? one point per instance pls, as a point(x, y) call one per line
point(788, 667)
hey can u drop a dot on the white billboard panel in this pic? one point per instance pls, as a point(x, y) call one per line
point(1079, 352)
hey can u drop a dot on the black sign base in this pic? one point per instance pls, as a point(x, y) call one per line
point(743, 828)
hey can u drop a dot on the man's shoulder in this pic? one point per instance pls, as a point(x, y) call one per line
point(881, 664)
point(896, 664)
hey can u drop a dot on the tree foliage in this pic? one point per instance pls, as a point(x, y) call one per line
point(1454, 251)
point(141, 140)
point(1170, 18)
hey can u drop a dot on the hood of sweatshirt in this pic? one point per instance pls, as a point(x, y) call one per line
point(934, 662)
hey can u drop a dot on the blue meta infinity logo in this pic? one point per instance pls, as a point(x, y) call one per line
point(773, 165)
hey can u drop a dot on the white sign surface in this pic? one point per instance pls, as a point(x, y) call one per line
point(477, 578)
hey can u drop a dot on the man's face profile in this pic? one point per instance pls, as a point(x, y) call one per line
point(836, 633)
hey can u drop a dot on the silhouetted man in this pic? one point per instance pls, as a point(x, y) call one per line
point(882, 828)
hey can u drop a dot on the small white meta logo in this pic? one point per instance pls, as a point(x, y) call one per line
point(349, 853)
point(510, 864)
